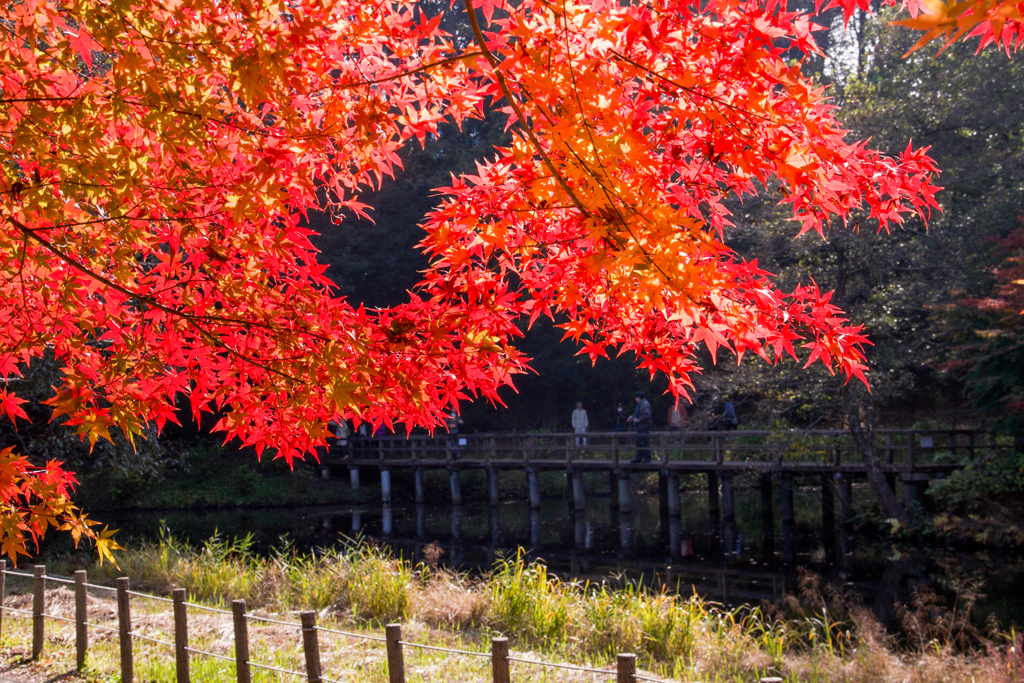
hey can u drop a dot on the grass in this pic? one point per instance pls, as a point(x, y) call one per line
point(816, 636)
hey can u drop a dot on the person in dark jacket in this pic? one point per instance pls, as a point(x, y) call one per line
point(730, 420)
point(621, 418)
point(641, 419)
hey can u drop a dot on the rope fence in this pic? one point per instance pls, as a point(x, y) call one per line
point(499, 656)
point(584, 669)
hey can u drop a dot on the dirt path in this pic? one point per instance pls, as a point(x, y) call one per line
point(14, 669)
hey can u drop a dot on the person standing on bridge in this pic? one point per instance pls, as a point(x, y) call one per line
point(730, 420)
point(621, 418)
point(580, 422)
point(452, 421)
point(676, 417)
point(641, 419)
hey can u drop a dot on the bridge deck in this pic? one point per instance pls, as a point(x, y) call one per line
point(918, 453)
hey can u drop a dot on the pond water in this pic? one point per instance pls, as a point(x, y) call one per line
point(602, 544)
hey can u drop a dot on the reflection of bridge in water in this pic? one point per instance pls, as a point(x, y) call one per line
point(585, 558)
point(909, 459)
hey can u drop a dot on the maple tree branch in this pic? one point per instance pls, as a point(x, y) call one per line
point(692, 91)
point(14, 100)
point(425, 67)
point(189, 318)
point(519, 112)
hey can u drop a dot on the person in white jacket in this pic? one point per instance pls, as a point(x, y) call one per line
point(580, 423)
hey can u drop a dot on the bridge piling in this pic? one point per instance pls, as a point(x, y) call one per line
point(494, 527)
point(533, 481)
point(767, 517)
point(456, 525)
point(353, 478)
point(385, 486)
point(625, 532)
point(579, 502)
point(828, 519)
point(625, 505)
point(788, 521)
point(728, 514)
point(492, 486)
point(420, 495)
point(714, 514)
point(673, 497)
point(456, 486)
point(675, 536)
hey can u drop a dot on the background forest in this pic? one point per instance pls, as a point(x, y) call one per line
point(928, 296)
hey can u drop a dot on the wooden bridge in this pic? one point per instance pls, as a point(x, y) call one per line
point(908, 458)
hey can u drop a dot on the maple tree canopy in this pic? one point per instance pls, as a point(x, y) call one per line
point(157, 159)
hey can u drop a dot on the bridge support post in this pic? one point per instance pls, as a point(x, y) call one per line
point(767, 517)
point(675, 536)
point(418, 483)
point(388, 517)
point(714, 514)
point(673, 497)
point(492, 486)
point(579, 502)
point(613, 488)
point(828, 519)
point(625, 505)
point(456, 527)
point(353, 478)
point(533, 481)
point(663, 495)
point(421, 521)
point(534, 528)
point(494, 527)
point(625, 533)
point(788, 521)
point(728, 514)
point(385, 486)
point(456, 486)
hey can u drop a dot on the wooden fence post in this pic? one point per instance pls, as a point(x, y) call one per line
point(499, 660)
point(38, 608)
point(311, 646)
point(625, 671)
point(81, 616)
point(180, 635)
point(3, 588)
point(241, 642)
point(124, 630)
point(396, 662)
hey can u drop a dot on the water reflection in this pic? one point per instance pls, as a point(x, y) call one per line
point(727, 559)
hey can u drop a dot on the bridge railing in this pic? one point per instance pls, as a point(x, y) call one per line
point(897, 448)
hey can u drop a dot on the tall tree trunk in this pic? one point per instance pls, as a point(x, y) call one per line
point(864, 439)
